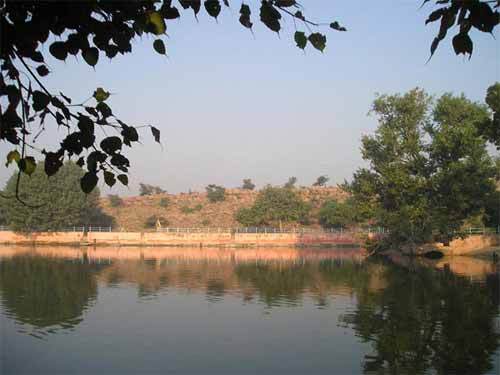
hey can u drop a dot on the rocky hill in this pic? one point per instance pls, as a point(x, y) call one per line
point(193, 210)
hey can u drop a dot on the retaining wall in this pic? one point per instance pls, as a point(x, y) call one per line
point(174, 239)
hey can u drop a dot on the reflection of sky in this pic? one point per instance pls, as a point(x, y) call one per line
point(232, 105)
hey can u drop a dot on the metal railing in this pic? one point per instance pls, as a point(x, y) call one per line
point(269, 230)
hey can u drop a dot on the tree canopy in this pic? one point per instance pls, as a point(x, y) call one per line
point(429, 167)
point(333, 214)
point(92, 28)
point(56, 202)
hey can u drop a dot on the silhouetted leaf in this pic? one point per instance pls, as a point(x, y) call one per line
point(27, 165)
point(156, 134)
point(123, 179)
point(129, 134)
point(13, 156)
point(318, 41)
point(462, 43)
point(42, 70)
point(336, 26)
point(434, 16)
point(300, 39)
point(285, 3)
point(118, 160)
point(81, 161)
point(245, 16)
point(91, 111)
point(91, 56)
point(270, 16)
point(88, 182)
point(159, 46)
point(94, 158)
point(100, 94)
point(195, 5)
point(169, 12)
point(40, 100)
point(299, 15)
point(59, 50)
point(85, 124)
point(52, 163)
point(104, 109)
point(109, 178)
point(213, 7)
point(158, 23)
point(111, 144)
point(434, 45)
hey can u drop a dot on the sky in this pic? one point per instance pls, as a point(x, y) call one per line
point(231, 104)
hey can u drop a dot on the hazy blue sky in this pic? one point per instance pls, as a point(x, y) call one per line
point(232, 105)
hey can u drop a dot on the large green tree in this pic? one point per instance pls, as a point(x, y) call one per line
point(93, 28)
point(55, 203)
point(429, 167)
point(489, 128)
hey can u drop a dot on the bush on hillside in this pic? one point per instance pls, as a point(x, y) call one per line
point(215, 193)
point(164, 202)
point(115, 200)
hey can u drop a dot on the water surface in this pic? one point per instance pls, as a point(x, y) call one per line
point(161, 310)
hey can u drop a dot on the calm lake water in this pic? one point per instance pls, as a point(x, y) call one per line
point(159, 310)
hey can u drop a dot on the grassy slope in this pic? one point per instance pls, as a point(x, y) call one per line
point(134, 211)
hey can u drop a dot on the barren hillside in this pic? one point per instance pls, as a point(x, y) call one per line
point(194, 210)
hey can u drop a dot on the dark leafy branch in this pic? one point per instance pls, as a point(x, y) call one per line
point(92, 29)
point(88, 29)
point(466, 15)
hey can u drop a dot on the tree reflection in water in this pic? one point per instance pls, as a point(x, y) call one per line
point(416, 319)
point(47, 292)
point(426, 319)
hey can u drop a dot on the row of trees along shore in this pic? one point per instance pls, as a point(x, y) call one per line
point(429, 174)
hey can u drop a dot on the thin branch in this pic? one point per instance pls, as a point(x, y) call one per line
point(23, 147)
point(302, 19)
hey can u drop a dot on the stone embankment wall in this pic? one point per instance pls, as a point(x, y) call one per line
point(175, 239)
point(467, 246)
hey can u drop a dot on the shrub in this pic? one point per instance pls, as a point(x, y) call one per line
point(321, 181)
point(248, 184)
point(164, 202)
point(215, 193)
point(205, 222)
point(186, 210)
point(333, 214)
point(115, 200)
point(290, 184)
point(145, 189)
point(151, 221)
point(190, 210)
point(274, 205)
